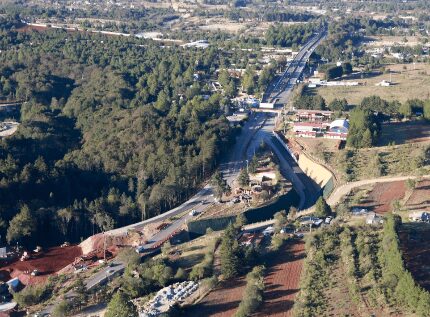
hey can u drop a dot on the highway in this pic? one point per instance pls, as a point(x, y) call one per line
point(258, 128)
point(279, 91)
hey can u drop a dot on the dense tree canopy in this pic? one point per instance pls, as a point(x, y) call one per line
point(113, 130)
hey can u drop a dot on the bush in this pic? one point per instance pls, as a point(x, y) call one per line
point(33, 295)
point(64, 308)
point(254, 290)
point(399, 284)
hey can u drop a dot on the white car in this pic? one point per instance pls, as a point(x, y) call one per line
point(328, 219)
point(193, 212)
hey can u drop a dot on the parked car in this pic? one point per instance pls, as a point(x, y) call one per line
point(140, 249)
point(35, 273)
point(328, 219)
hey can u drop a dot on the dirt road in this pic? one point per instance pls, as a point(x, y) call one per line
point(343, 190)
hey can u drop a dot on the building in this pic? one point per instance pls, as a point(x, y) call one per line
point(267, 105)
point(338, 129)
point(313, 115)
point(374, 219)
point(309, 129)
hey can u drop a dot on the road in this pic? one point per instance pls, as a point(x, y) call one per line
point(258, 128)
point(279, 91)
point(345, 189)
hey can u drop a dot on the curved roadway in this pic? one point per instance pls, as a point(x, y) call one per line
point(258, 128)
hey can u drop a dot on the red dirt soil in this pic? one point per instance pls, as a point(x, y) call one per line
point(282, 281)
point(222, 302)
point(383, 194)
point(420, 198)
point(414, 239)
point(48, 263)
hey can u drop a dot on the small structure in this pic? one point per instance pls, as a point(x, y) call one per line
point(167, 297)
point(237, 118)
point(419, 216)
point(267, 105)
point(338, 129)
point(268, 231)
point(383, 83)
point(374, 219)
point(359, 211)
point(198, 44)
point(14, 284)
point(313, 115)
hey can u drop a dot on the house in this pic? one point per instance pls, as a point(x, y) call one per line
point(419, 216)
point(313, 115)
point(374, 219)
point(359, 211)
point(338, 129)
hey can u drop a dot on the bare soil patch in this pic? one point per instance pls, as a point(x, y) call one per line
point(420, 197)
point(221, 302)
point(414, 239)
point(282, 281)
point(47, 263)
point(382, 195)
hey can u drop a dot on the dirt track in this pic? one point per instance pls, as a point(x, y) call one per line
point(342, 190)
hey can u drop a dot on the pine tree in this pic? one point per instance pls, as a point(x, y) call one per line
point(322, 209)
point(120, 306)
point(230, 262)
point(243, 178)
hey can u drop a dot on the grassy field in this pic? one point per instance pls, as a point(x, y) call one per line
point(192, 253)
point(389, 40)
point(360, 164)
point(404, 132)
point(409, 83)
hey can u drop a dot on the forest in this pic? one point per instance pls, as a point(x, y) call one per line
point(113, 130)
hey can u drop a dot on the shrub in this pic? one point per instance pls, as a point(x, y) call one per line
point(33, 295)
point(254, 290)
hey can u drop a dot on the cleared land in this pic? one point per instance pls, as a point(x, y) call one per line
point(414, 239)
point(352, 165)
point(404, 132)
point(47, 263)
point(382, 196)
point(412, 82)
point(390, 40)
point(192, 253)
point(420, 197)
point(282, 281)
point(221, 302)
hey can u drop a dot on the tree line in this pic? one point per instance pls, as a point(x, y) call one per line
point(112, 131)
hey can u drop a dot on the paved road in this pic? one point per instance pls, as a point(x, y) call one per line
point(259, 127)
point(279, 91)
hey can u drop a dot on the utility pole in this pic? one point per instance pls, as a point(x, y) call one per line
point(104, 247)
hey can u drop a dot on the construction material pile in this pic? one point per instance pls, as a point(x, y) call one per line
point(167, 297)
